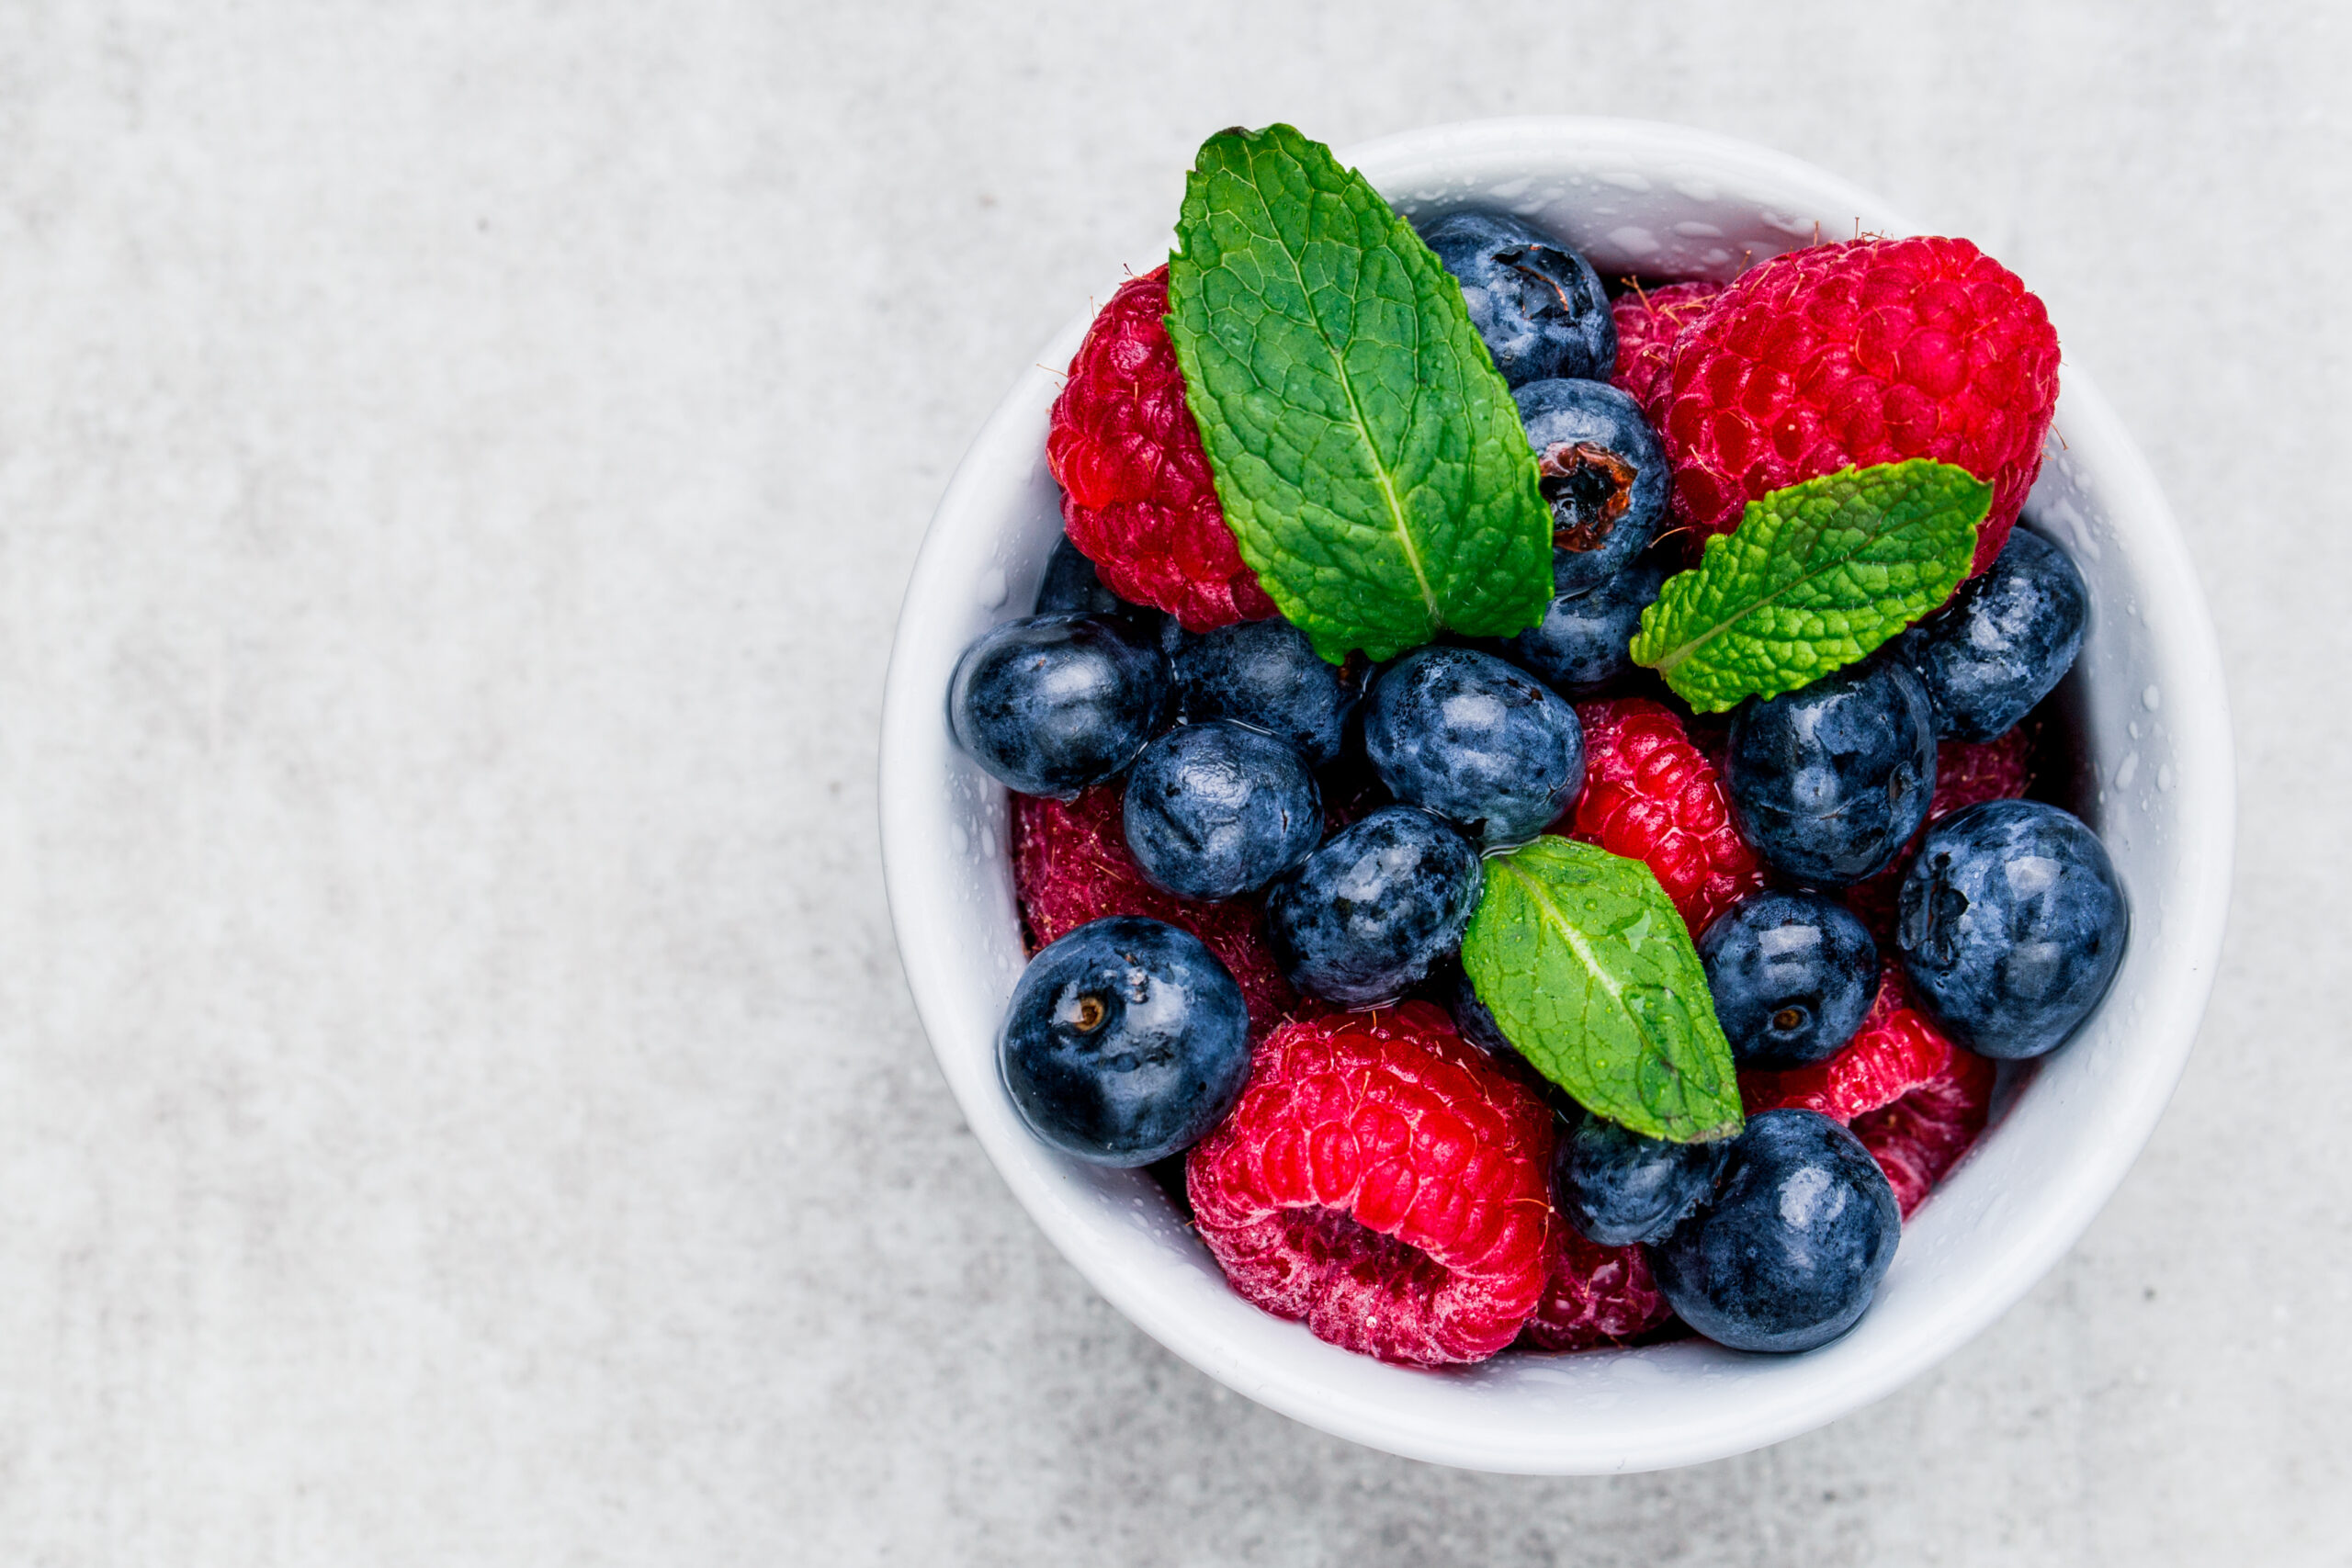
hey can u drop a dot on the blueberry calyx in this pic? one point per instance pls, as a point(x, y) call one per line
point(1124, 1041)
point(1588, 487)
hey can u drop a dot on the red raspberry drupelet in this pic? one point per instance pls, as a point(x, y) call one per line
point(1070, 865)
point(1651, 796)
point(1896, 1051)
point(1383, 1181)
point(1596, 1295)
point(1915, 1099)
point(1649, 322)
point(1921, 1137)
point(1863, 351)
point(1137, 496)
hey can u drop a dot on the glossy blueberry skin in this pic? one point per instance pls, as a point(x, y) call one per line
point(1830, 781)
point(1215, 811)
point(1052, 703)
point(1602, 472)
point(1539, 305)
point(2012, 923)
point(1476, 740)
point(1125, 1042)
point(2007, 637)
point(1265, 674)
point(1476, 1020)
point(1619, 1188)
point(1789, 1248)
point(1072, 587)
point(1792, 974)
point(1584, 641)
point(1363, 919)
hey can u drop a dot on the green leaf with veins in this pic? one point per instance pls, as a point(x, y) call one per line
point(1590, 973)
point(1368, 456)
point(1815, 577)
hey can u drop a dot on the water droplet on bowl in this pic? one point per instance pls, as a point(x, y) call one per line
point(2126, 770)
point(2152, 699)
point(991, 588)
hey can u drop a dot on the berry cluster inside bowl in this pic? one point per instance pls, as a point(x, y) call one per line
point(1521, 786)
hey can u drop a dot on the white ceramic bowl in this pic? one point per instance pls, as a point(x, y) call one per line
point(1662, 201)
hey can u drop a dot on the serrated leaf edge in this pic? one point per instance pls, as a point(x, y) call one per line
point(1720, 546)
point(1558, 919)
point(1398, 522)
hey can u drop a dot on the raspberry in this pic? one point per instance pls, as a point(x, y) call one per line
point(1967, 774)
point(1915, 1099)
point(1867, 351)
point(1649, 322)
point(1921, 1137)
point(1896, 1051)
point(1596, 1295)
point(1070, 865)
point(1650, 794)
point(1138, 497)
point(1382, 1179)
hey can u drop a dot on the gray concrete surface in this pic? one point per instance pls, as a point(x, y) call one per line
point(458, 1103)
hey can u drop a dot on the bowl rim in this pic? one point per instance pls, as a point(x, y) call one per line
point(1088, 1213)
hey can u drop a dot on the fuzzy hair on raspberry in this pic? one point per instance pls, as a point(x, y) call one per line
point(1859, 353)
point(1138, 497)
point(1382, 1181)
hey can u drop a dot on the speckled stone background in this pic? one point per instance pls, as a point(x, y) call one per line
point(459, 1103)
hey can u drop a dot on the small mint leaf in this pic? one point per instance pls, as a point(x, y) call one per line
point(1815, 577)
point(1589, 970)
point(1368, 456)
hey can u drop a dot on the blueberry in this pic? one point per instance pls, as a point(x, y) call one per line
point(1601, 470)
point(2006, 639)
point(1125, 1042)
point(1787, 1252)
point(1265, 674)
point(1072, 587)
point(1792, 974)
point(1584, 641)
point(1476, 1020)
point(1366, 917)
point(1619, 1188)
point(1215, 811)
point(1052, 703)
point(2012, 924)
point(1538, 304)
point(1830, 781)
point(1475, 740)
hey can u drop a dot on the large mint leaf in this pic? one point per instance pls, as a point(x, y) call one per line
point(1369, 460)
point(1815, 577)
point(1582, 959)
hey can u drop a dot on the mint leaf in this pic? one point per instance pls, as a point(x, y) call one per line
point(1369, 460)
point(1582, 959)
point(1815, 577)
